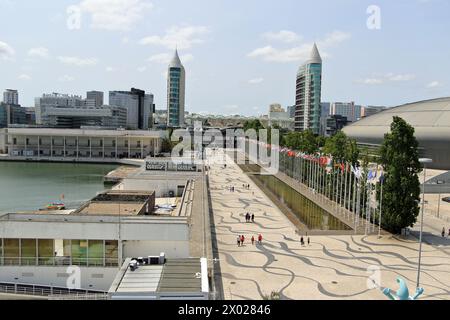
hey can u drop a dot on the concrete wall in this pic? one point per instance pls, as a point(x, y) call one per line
point(91, 278)
point(3, 141)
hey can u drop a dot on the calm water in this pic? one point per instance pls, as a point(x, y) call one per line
point(313, 216)
point(31, 186)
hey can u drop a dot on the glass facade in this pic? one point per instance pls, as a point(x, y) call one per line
point(49, 252)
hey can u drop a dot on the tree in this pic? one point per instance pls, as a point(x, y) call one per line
point(400, 161)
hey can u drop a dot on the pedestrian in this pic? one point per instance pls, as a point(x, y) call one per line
point(253, 217)
point(246, 217)
point(242, 240)
point(259, 238)
point(309, 242)
point(449, 232)
point(443, 232)
point(302, 242)
point(238, 241)
point(253, 240)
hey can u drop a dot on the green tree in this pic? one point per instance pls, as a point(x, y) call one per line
point(400, 161)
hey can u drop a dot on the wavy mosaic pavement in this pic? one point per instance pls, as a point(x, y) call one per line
point(331, 267)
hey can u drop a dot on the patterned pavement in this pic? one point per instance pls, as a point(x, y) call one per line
point(331, 267)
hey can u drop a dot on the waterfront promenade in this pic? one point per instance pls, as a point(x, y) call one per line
point(331, 267)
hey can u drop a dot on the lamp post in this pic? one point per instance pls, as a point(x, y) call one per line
point(424, 161)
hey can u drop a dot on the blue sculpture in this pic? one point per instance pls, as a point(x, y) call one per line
point(402, 292)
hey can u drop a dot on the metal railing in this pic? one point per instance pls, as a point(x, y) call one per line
point(56, 293)
point(58, 261)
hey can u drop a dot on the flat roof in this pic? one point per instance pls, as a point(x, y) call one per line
point(86, 132)
point(112, 208)
point(175, 275)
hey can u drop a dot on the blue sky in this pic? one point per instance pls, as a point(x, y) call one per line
point(240, 55)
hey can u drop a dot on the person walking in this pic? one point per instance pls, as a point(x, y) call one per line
point(302, 242)
point(253, 217)
point(242, 240)
point(443, 232)
point(259, 238)
point(238, 241)
point(309, 242)
point(253, 240)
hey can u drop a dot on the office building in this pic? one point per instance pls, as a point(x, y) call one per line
point(11, 97)
point(371, 110)
point(94, 99)
point(176, 82)
point(308, 94)
point(139, 107)
point(324, 113)
point(55, 100)
point(11, 114)
point(347, 109)
point(335, 123)
point(291, 111)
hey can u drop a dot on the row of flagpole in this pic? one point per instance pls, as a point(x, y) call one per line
point(348, 188)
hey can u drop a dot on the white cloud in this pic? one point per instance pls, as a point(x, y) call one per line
point(110, 69)
point(24, 77)
point(388, 77)
point(115, 15)
point(6, 51)
point(79, 62)
point(181, 37)
point(300, 52)
point(66, 78)
point(142, 69)
point(283, 36)
point(39, 52)
point(165, 58)
point(434, 84)
point(256, 80)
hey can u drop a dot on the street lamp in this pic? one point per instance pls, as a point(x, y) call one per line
point(424, 161)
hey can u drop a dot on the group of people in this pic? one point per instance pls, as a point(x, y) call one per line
point(241, 239)
point(231, 188)
point(443, 232)
point(249, 217)
point(246, 186)
point(302, 241)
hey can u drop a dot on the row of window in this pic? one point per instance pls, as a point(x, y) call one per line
point(58, 252)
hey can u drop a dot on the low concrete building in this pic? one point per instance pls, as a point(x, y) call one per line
point(80, 144)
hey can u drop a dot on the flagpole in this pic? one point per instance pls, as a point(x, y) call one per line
point(381, 206)
point(345, 191)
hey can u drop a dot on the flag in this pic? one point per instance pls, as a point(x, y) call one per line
point(381, 178)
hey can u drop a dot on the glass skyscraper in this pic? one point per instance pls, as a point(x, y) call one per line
point(308, 92)
point(176, 78)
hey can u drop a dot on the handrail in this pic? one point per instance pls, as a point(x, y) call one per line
point(58, 261)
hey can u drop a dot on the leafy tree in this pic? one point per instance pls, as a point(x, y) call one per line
point(400, 161)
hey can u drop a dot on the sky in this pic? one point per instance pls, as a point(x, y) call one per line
point(240, 56)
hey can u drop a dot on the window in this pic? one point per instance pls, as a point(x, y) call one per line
point(79, 252)
point(111, 252)
point(11, 251)
point(45, 252)
point(28, 252)
point(95, 253)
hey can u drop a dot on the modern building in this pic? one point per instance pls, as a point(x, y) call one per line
point(371, 110)
point(324, 113)
point(30, 114)
point(291, 111)
point(278, 116)
point(346, 109)
point(308, 94)
point(431, 122)
point(11, 96)
point(176, 84)
point(94, 99)
point(81, 117)
point(55, 100)
point(139, 107)
point(46, 144)
point(335, 123)
point(11, 114)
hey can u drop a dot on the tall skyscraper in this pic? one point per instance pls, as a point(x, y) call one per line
point(308, 92)
point(176, 78)
point(11, 97)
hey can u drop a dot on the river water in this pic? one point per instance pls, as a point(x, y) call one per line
point(32, 185)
